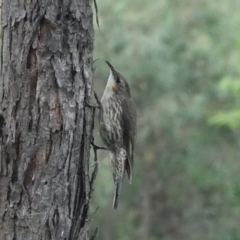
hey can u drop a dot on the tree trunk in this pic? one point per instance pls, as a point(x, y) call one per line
point(46, 127)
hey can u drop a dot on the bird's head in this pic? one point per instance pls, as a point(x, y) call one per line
point(117, 84)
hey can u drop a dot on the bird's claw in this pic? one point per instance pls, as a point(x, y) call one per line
point(89, 104)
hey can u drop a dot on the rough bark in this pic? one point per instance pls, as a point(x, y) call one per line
point(47, 128)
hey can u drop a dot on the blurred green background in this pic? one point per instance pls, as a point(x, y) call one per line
point(182, 60)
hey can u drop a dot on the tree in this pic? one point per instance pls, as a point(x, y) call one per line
point(184, 74)
point(46, 127)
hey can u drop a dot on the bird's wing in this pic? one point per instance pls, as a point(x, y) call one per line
point(129, 120)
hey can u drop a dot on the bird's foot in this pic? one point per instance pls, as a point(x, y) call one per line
point(96, 147)
point(90, 104)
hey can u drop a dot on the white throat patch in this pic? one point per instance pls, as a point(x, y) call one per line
point(108, 92)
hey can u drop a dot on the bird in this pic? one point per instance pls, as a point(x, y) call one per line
point(117, 127)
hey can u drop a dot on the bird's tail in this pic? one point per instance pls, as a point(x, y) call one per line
point(117, 193)
point(118, 161)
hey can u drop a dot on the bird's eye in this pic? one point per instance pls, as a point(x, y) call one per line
point(118, 80)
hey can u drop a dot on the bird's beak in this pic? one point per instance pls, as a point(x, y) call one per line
point(111, 67)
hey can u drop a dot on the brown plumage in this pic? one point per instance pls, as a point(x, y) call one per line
point(118, 127)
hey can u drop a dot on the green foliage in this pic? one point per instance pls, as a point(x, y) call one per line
point(229, 88)
point(230, 119)
point(181, 58)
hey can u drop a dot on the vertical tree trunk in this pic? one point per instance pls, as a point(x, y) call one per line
point(46, 126)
